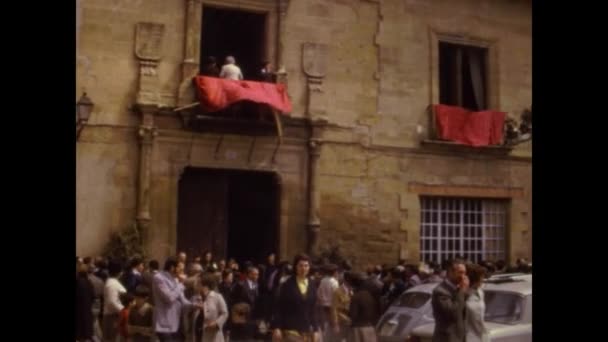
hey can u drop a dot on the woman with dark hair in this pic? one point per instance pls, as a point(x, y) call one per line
point(295, 317)
point(210, 321)
point(475, 305)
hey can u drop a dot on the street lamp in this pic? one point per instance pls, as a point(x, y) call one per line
point(84, 107)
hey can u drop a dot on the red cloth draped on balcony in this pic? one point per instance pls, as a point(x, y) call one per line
point(470, 128)
point(216, 93)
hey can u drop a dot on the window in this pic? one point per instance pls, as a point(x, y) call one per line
point(241, 34)
point(503, 307)
point(413, 300)
point(469, 228)
point(463, 76)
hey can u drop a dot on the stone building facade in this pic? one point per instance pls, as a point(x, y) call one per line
point(357, 161)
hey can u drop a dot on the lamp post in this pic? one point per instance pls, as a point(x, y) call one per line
point(84, 107)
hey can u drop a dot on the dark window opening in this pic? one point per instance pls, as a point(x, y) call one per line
point(463, 76)
point(242, 34)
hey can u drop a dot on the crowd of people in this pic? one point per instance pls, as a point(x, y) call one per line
point(203, 299)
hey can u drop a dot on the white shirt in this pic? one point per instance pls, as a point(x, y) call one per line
point(476, 308)
point(111, 295)
point(325, 293)
point(231, 72)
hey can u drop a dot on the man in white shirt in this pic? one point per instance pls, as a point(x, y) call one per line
point(325, 294)
point(230, 70)
point(112, 305)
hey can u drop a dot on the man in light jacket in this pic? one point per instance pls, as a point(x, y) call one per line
point(169, 300)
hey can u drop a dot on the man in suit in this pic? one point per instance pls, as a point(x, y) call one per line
point(393, 288)
point(448, 303)
point(248, 291)
point(363, 311)
point(295, 318)
point(149, 274)
point(133, 277)
point(169, 300)
point(246, 295)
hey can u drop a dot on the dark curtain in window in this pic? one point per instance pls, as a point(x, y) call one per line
point(476, 64)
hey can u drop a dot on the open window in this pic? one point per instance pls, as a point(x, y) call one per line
point(463, 76)
point(235, 32)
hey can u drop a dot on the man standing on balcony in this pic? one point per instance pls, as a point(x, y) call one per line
point(230, 70)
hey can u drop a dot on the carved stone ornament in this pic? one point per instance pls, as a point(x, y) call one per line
point(314, 59)
point(283, 4)
point(149, 41)
point(148, 68)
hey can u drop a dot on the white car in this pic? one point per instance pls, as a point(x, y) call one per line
point(411, 309)
point(508, 311)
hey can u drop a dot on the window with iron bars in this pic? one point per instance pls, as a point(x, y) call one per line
point(469, 228)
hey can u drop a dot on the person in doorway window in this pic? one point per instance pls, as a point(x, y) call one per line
point(210, 67)
point(230, 70)
point(265, 73)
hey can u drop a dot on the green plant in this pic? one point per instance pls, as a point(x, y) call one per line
point(125, 244)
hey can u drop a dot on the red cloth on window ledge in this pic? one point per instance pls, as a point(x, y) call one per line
point(216, 93)
point(457, 124)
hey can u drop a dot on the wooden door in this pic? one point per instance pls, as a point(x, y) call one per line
point(202, 212)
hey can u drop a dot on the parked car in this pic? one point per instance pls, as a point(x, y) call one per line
point(508, 311)
point(411, 309)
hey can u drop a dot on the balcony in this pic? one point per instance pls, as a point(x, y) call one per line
point(511, 135)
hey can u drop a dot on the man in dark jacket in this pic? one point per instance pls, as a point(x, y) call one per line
point(448, 303)
point(133, 277)
point(85, 294)
point(393, 288)
point(363, 311)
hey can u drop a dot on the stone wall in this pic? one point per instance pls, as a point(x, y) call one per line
point(369, 210)
point(380, 80)
point(106, 170)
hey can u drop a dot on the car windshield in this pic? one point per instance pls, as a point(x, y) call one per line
point(503, 307)
point(413, 299)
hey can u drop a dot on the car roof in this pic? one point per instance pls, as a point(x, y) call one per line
point(521, 285)
point(426, 288)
